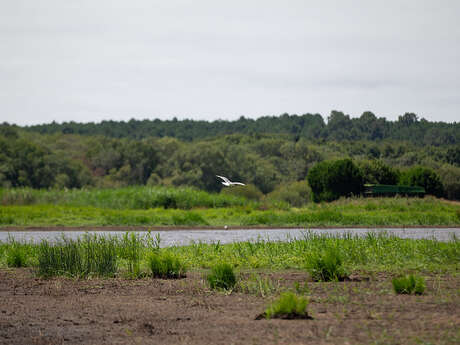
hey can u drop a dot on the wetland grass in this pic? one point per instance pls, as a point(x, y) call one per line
point(129, 248)
point(328, 256)
point(409, 284)
point(288, 306)
point(326, 265)
point(135, 198)
point(222, 276)
point(90, 255)
point(347, 212)
point(17, 256)
point(166, 266)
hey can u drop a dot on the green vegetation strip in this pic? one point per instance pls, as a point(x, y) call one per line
point(135, 198)
point(131, 254)
point(344, 212)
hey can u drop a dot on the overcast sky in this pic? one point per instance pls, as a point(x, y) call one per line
point(115, 59)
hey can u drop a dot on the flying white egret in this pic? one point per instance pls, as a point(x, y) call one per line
point(227, 182)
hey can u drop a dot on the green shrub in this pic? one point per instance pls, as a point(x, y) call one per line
point(329, 180)
point(166, 266)
point(450, 179)
point(423, 177)
point(222, 276)
point(409, 284)
point(16, 256)
point(295, 194)
point(326, 265)
point(377, 172)
point(288, 306)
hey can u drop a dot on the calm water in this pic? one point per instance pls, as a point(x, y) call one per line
point(184, 237)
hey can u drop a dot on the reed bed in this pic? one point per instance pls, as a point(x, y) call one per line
point(133, 198)
point(373, 252)
point(167, 206)
point(129, 255)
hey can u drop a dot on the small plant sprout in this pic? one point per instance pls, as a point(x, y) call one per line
point(287, 306)
point(302, 289)
point(409, 284)
point(222, 276)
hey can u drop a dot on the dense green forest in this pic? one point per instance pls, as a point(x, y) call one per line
point(272, 154)
point(339, 127)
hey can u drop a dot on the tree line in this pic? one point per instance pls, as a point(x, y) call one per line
point(272, 162)
point(339, 127)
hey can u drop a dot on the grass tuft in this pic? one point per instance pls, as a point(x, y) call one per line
point(288, 306)
point(166, 266)
point(222, 276)
point(409, 284)
point(326, 265)
point(16, 256)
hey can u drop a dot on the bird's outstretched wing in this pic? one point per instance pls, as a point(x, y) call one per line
point(239, 183)
point(224, 178)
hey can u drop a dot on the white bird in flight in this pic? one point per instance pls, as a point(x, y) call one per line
point(227, 182)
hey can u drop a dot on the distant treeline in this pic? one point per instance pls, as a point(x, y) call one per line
point(273, 154)
point(339, 127)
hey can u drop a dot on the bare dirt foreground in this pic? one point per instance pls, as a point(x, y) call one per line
point(155, 311)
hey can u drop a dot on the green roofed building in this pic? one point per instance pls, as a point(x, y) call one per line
point(392, 190)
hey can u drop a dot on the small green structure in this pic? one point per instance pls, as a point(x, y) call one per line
point(392, 190)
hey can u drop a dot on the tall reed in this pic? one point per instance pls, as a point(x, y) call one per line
point(91, 255)
point(104, 255)
point(137, 197)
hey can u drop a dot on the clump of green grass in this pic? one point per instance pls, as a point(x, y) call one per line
point(166, 266)
point(222, 276)
point(409, 284)
point(326, 265)
point(59, 259)
point(92, 255)
point(288, 306)
point(100, 257)
point(130, 248)
point(16, 256)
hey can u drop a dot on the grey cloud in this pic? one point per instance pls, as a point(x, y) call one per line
point(87, 60)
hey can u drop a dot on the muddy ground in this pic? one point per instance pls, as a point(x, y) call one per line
point(185, 311)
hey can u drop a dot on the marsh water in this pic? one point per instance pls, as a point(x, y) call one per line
point(185, 237)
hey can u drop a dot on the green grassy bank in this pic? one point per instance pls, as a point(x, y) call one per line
point(167, 206)
point(346, 212)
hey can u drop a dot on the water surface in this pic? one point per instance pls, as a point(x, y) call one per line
point(185, 237)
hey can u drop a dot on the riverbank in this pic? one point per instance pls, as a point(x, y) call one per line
point(109, 311)
point(111, 295)
point(204, 228)
point(354, 212)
